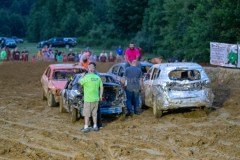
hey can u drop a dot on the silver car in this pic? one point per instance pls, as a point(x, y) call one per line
point(176, 85)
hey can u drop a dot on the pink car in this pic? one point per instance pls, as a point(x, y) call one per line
point(54, 80)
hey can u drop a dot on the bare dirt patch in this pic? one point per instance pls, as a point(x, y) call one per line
point(31, 130)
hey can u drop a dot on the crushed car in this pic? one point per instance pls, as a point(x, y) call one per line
point(113, 100)
point(54, 80)
point(176, 85)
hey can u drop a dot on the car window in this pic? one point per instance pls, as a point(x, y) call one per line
point(156, 73)
point(48, 72)
point(115, 70)
point(148, 74)
point(121, 72)
point(62, 74)
point(181, 75)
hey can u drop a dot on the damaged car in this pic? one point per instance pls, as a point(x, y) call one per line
point(71, 100)
point(176, 85)
point(55, 78)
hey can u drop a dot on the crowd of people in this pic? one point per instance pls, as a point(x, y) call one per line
point(7, 54)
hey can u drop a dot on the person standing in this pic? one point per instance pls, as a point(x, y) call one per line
point(93, 91)
point(119, 52)
point(133, 83)
point(131, 54)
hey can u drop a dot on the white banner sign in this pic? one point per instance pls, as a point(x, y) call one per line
point(223, 54)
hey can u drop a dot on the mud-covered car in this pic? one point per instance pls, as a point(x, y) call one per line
point(176, 85)
point(112, 102)
point(117, 70)
point(54, 80)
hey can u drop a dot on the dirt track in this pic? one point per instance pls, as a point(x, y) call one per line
point(31, 130)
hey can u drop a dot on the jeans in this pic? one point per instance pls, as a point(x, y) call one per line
point(132, 101)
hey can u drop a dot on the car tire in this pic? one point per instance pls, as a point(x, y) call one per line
point(207, 110)
point(51, 100)
point(43, 95)
point(61, 106)
point(74, 115)
point(156, 111)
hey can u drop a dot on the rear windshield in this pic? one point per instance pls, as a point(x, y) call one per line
point(107, 79)
point(181, 75)
point(62, 74)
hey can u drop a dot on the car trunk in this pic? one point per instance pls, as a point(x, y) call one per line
point(110, 95)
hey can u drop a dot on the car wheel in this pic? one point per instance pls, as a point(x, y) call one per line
point(74, 115)
point(43, 95)
point(51, 100)
point(207, 110)
point(156, 111)
point(61, 106)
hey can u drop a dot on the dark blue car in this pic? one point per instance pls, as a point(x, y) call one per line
point(112, 103)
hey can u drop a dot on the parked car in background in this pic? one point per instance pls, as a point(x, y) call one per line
point(176, 85)
point(71, 99)
point(9, 42)
point(58, 42)
point(17, 40)
point(54, 80)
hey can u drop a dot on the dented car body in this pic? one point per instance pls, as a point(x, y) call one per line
point(113, 100)
point(176, 85)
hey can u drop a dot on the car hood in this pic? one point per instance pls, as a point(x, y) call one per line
point(58, 84)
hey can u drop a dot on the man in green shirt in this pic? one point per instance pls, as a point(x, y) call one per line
point(3, 55)
point(91, 83)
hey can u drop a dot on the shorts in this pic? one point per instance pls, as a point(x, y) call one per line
point(90, 109)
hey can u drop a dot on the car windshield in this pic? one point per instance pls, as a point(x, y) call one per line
point(107, 79)
point(62, 74)
point(181, 75)
point(145, 69)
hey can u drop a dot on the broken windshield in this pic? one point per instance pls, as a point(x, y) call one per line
point(181, 75)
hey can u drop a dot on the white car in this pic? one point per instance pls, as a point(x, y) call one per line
point(176, 85)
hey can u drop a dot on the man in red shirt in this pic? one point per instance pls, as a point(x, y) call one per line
point(131, 54)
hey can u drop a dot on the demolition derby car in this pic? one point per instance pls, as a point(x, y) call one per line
point(72, 97)
point(176, 85)
point(54, 80)
point(117, 70)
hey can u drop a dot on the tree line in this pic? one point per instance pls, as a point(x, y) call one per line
point(170, 28)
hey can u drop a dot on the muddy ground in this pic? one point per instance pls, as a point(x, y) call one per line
point(29, 129)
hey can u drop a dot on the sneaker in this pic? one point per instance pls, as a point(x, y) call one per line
point(95, 129)
point(85, 130)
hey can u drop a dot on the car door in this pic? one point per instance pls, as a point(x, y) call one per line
point(146, 86)
point(45, 79)
point(153, 87)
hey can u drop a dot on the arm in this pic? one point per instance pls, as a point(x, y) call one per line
point(101, 90)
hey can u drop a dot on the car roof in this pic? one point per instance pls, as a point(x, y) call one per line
point(178, 65)
point(64, 66)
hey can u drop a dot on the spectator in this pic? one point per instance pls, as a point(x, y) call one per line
point(93, 58)
point(111, 57)
point(3, 55)
point(87, 52)
point(119, 52)
point(103, 57)
point(71, 56)
point(16, 54)
point(131, 54)
point(84, 62)
point(133, 83)
point(91, 84)
point(59, 57)
point(55, 55)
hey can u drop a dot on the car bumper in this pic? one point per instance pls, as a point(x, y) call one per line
point(111, 110)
